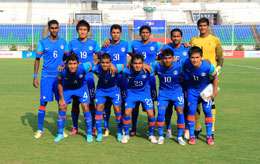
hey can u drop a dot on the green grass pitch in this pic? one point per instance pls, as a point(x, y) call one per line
point(237, 138)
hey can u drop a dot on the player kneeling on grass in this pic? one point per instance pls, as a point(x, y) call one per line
point(170, 90)
point(107, 88)
point(138, 91)
point(200, 74)
point(70, 85)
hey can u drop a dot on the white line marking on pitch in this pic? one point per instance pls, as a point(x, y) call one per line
point(257, 68)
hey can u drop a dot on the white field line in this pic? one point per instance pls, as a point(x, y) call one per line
point(244, 66)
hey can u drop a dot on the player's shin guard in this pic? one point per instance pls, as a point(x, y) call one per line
point(99, 118)
point(208, 122)
point(106, 114)
point(119, 122)
point(191, 122)
point(135, 114)
point(41, 115)
point(75, 115)
point(180, 124)
point(160, 121)
point(126, 124)
point(93, 113)
point(88, 122)
point(61, 121)
point(168, 117)
point(213, 111)
point(151, 124)
point(197, 117)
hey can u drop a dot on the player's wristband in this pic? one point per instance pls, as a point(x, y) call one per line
point(35, 75)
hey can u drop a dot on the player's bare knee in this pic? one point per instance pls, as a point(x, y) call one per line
point(100, 107)
point(117, 108)
point(150, 113)
point(85, 107)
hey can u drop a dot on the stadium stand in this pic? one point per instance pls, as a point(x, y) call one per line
point(20, 34)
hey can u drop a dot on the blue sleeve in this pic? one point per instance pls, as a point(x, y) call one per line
point(120, 67)
point(212, 71)
point(160, 47)
point(88, 66)
point(130, 47)
point(97, 48)
point(66, 50)
point(153, 66)
point(58, 75)
point(39, 51)
point(102, 51)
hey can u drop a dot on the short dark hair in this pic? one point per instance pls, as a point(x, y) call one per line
point(52, 22)
point(145, 27)
point(194, 50)
point(176, 29)
point(203, 20)
point(137, 56)
point(72, 57)
point(105, 56)
point(167, 52)
point(115, 26)
point(83, 23)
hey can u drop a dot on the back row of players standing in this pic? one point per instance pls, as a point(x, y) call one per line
point(54, 48)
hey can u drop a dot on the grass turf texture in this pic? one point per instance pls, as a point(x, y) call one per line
point(236, 139)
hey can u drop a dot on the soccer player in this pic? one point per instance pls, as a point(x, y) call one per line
point(86, 49)
point(138, 91)
point(71, 84)
point(199, 73)
point(212, 51)
point(180, 52)
point(107, 88)
point(52, 50)
point(170, 90)
point(150, 51)
point(118, 50)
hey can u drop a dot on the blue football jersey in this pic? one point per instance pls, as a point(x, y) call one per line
point(105, 79)
point(74, 80)
point(137, 82)
point(84, 50)
point(169, 79)
point(199, 78)
point(181, 52)
point(117, 52)
point(149, 50)
point(52, 53)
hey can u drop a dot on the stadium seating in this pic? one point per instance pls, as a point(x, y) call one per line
point(242, 34)
point(71, 32)
point(20, 34)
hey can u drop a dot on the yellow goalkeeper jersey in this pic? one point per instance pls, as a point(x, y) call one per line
point(210, 46)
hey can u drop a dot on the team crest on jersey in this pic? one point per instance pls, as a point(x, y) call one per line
point(61, 47)
point(81, 75)
point(203, 74)
point(143, 76)
point(123, 49)
point(184, 53)
point(175, 72)
point(152, 48)
point(113, 75)
point(90, 48)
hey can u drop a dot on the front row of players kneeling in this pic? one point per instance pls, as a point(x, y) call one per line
point(190, 76)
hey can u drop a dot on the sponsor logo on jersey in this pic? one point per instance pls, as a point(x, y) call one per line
point(90, 48)
point(74, 49)
point(159, 73)
point(113, 75)
point(143, 76)
point(136, 48)
point(152, 48)
point(175, 72)
point(46, 48)
point(203, 74)
point(61, 47)
point(187, 70)
point(123, 49)
point(81, 75)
